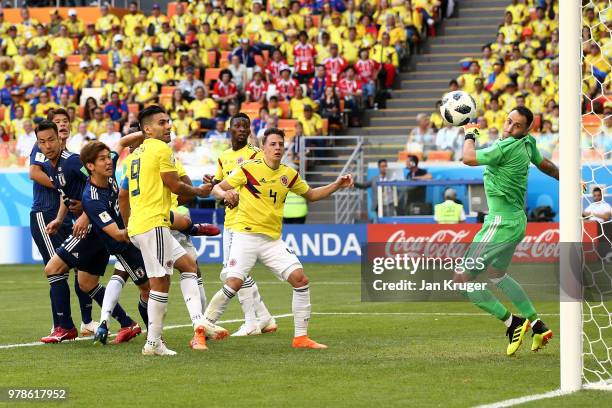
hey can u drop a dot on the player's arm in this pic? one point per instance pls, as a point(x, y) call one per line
point(185, 199)
point(133, 139)
point(224, 191)
point(549, 168)
point(120, 235)
point(54, 225)
point(79, 229)
point(319, 193)
point(39, 176)
point(178, 187)
point(124, 205)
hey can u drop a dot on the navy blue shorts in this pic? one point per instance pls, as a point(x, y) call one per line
point(87, 254)
point(133, 264)
point(46, 243)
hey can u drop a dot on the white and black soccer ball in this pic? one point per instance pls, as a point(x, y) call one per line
point(458, 108)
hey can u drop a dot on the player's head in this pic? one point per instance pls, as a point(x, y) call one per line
point(597, 195)
point(518, 122)
point(96, 158)
point(48, 139)
point(240, 128)
point(273, 144)
point(61, 118)
point(155, 123)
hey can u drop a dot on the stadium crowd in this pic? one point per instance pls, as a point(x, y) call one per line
point(307, 65)
point(521, 68)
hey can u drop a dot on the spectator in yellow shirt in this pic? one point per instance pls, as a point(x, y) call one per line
point(155, 21)
point(106, 21)
point(494, 116)
point(166, 37)
point(511, 31)
point(203, 109)
point(254, 21)
point(97, 125)
point(536, 100)
point(183, 126)
point(76, 27)
point(92, 39)
point(311, 122)
point(144, 91)
point(113, 85)
point(161, 73)
point(81, 79)
point(298, 102)
point(541, 27)
point(97, 77)
point(44, 104)
point(466, 81)
point(520, 12)
point(481, 96)
point(181, 20)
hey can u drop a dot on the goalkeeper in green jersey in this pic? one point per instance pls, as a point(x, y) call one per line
point(505, 179)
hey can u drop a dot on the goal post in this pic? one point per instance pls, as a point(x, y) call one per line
point(570, 197)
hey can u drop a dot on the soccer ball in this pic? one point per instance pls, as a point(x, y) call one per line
point(458, 108)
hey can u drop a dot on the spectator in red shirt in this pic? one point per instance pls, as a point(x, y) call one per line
point(350, 90)
point(367, 72)
point(273, 69)
point(334, 65)
point(256, 89)
point(304, 54)
point(225, 91)
point(286, 85)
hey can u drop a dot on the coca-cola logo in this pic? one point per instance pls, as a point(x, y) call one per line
point(442, 243)
point(544, 245)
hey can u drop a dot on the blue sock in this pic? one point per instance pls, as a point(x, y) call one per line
point(142, 308)
point(56, 322)
point(119, 314)
point(60, 295)
point(84, 301)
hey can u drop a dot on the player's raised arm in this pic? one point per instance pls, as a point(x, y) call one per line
point(319, 193)
point(37, 175)
point(469, 145)
point(224, 191)
point(549, 168)
point(178, 187)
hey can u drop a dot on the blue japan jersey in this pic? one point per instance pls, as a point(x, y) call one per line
point(44, 199)
point(102, 207)
point(69, 176)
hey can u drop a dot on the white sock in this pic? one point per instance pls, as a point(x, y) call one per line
point(246, 299)
point(191, 294)
point(156, 309)
point(218, 303)
point(202, 293)
point(508, 321)
point(111, 297)
point(301, 310)
point(262, 312)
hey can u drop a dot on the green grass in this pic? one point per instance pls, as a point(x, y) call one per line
point(414, 357)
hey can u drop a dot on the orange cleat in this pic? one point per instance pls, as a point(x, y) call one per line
point(127, 333)
point(306, 342)
point(199, 339)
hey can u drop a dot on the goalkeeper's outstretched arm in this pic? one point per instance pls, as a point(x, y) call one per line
point(550, 168)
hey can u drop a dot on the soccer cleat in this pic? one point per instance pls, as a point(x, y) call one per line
point(306, 342)
point(60, 334)
point(101, 334)
point(209, 230)
point(243, 331)
point(156, 348)
point(215, 332)
point(89, 329)
point(268, 326)
point(516, 333)
point(127, 333)
point(199, 339)
point(541, 336)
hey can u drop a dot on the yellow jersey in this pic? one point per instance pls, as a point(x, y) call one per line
point(262, 199)
point(173, 197)
point(150, 198)
point(226, 163)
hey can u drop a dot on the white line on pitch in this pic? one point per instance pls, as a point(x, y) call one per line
point(528, 398)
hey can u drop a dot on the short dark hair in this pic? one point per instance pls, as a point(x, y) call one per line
point(148, 112)
point(381, 161)
point(596, 190)
point(57, 111)
point(414, 158)
point(272, 131)
point(526, 113)
point(46, 124)
point(90, 151)
point(239, 115)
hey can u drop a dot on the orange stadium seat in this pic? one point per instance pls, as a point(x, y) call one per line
point(251, 109)
point(224, 41)
point(591, 123)
point(284, 105)
point(1, 113)
point(104, 59)
point(259, 60)
point(224, 60)
point(133, 108)
point(288, 125)
point(212, 58)
point(211, 74)
point(403, 156)
point(325, 127)
point(167, 90)
point(165, 99)
point(440, 155)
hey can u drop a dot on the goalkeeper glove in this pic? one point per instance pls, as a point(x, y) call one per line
point(471, 132)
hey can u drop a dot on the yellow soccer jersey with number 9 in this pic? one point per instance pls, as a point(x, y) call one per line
point(262, 196)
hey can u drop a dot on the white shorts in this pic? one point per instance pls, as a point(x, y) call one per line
point(186, 243)
point(159, 251)
point(227, 239)
point(246, 249)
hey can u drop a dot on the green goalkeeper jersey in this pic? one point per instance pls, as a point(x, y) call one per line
point(505, 177)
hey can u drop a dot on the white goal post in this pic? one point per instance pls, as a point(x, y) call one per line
point(570, 196)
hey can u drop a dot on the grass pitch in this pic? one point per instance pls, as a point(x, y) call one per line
point(387, 354)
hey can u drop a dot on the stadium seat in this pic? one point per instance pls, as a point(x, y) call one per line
point(211, 74)
point(73, 62)
point(165, 99)
point(440, 155)
point(591, 123)
point(251, 109)
point(325, 126)
point(288, 125)
point(284, 105)
point(2, 113)
point(224, 61)
point(167, 90)
point(212, 59)
point(259, 60)
point(133, 108)
point(224, 42)
point(403, 156)
point(104, 59)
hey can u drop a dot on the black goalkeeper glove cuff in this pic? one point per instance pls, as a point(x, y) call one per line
point(471, 134)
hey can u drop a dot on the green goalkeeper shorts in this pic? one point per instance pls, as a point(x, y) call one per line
point(496, 241)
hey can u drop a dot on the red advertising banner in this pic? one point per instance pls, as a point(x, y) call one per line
point(444, 240)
